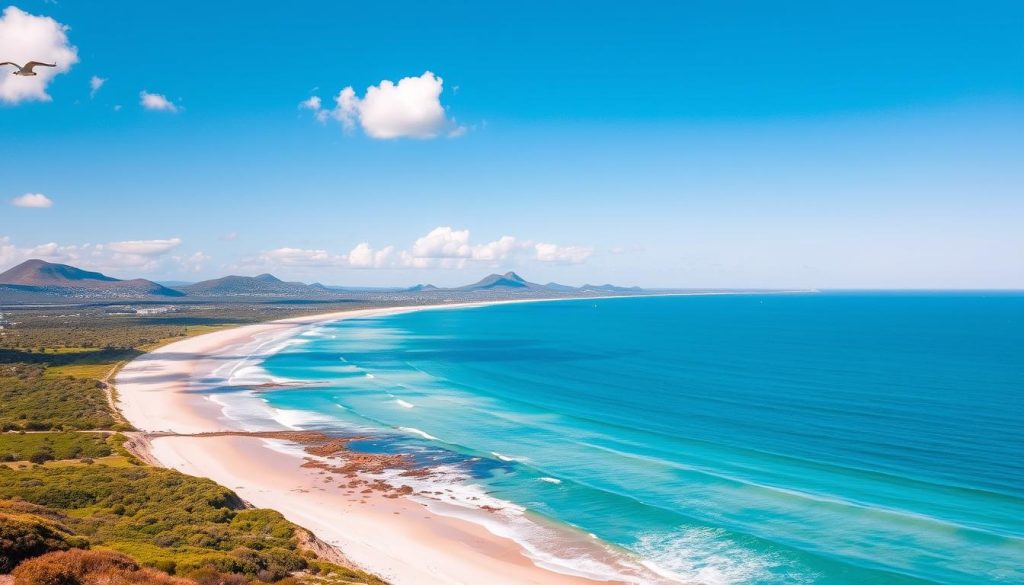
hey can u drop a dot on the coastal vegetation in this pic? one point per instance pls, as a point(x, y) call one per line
point(77, 507)
point(32, 400)
point(159, 518)
point(43, 447)
point(55, 363)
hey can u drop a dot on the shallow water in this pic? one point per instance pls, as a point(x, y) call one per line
point(793, 438)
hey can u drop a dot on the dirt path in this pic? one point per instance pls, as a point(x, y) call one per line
point(110, 390)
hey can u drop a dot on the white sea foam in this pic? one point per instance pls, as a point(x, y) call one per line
point(548, 546)
point(447, 491)
point(516, 458)
point(420, 433)
point(296, 419)
point(404, 403)
point(707, 556)
point(551, 480)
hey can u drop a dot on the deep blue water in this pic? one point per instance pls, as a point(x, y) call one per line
point(832, 438)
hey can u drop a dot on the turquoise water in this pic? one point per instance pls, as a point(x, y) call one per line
point(816, 438)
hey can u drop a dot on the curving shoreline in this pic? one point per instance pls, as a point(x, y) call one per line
point(399, 538)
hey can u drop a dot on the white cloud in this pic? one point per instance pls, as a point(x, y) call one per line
point(562, 254)
point(145, 247)
point(442, 247)
point(443, 242)
point(36, 200)
point(156, 102)
point(193, 263)
point(296, 257)
point(137, 255)
point(229, 237)
point(25, 37)
point(451, 244)
point(364, 256)
point(410, 108)
point(95, 83)
point(312, 103)
point(499, 249)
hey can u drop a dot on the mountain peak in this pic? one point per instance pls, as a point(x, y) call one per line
point(61, 279)
point(513, 276)
point(509, 280)
point(36, 272)
point(267, 277)
point(263, 285)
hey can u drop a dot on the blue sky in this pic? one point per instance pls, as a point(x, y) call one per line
point(676, 144)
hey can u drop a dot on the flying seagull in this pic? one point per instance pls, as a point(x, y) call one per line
point(27, 70)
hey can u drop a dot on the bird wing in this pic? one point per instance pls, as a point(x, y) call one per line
point(28, 66)
point(9, 63)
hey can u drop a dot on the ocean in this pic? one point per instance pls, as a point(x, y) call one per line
point(833, 438)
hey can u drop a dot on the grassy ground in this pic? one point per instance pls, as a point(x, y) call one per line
point(53, 446)
point(30, 399)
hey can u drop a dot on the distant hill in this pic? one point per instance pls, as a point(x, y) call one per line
point(42, 273)
point(38, 277)
point(37, 281)
point(559, 287)
point(509, 280)
point(611, 288)
point(264, 285)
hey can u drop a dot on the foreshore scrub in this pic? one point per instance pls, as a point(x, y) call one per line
point(77, 507)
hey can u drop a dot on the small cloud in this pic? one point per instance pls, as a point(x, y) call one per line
point(34, 200)
point(298, 257)
point(145, 247)
point(193, 263)
point(562, 254)
point(95, 83)
point(229, 237)
point(410, 108)
point(141, 254)
point(313, 103)
point(443, 242)
point(442, 247)
point(26, 37)
point(364, 256)
point(135, 255)
point(156, 102)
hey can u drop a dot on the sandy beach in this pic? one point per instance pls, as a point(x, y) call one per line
point(400, 538)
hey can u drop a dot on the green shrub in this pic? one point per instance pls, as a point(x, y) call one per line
point(81, 567)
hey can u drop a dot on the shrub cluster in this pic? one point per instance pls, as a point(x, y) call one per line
point(23, 536)
point(41, 447)
point(31, 401)
point(161, 518)
point(85, 567)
